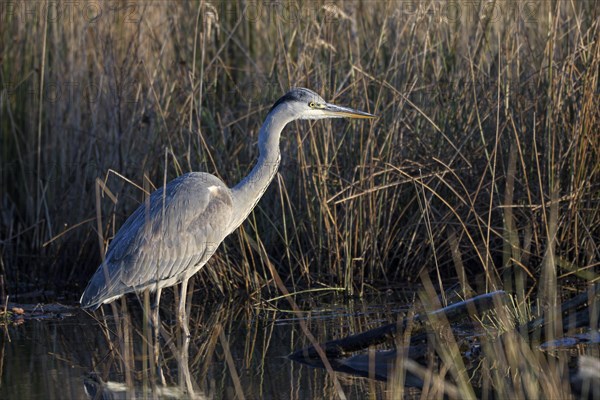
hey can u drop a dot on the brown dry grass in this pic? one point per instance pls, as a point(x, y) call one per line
point(484, 163)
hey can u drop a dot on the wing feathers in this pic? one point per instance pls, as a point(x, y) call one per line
point(177, 230)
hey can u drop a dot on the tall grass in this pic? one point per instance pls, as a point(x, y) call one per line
point(484, 163)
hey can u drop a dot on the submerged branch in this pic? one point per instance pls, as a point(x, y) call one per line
point(419, 323)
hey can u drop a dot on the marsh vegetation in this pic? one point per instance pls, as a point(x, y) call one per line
point(483, 167)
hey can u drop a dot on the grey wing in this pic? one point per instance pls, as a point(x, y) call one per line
point(169, 237)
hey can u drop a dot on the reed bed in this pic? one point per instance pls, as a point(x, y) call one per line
point(483, 166)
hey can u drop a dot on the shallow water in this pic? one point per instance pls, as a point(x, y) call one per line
point(70, 354)
point(238, 350)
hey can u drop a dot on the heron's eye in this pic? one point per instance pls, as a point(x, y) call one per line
point(312, 104)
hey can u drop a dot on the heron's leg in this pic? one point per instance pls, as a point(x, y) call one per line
point(155, 308)
point(156, 329)
point(182, 315)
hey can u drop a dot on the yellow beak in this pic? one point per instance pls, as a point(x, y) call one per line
point(331, 110)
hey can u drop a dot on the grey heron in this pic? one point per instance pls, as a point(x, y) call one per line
point(170, 237)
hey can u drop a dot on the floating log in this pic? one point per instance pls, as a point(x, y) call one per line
point(419, 325)
point(576, 312)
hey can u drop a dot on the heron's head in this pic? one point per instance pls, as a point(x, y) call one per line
point(301, 103)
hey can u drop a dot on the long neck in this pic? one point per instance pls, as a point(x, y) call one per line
point(249, 191)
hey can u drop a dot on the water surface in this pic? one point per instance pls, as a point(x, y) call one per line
point(237, 348)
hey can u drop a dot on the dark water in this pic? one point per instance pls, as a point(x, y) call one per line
point(237, 349)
